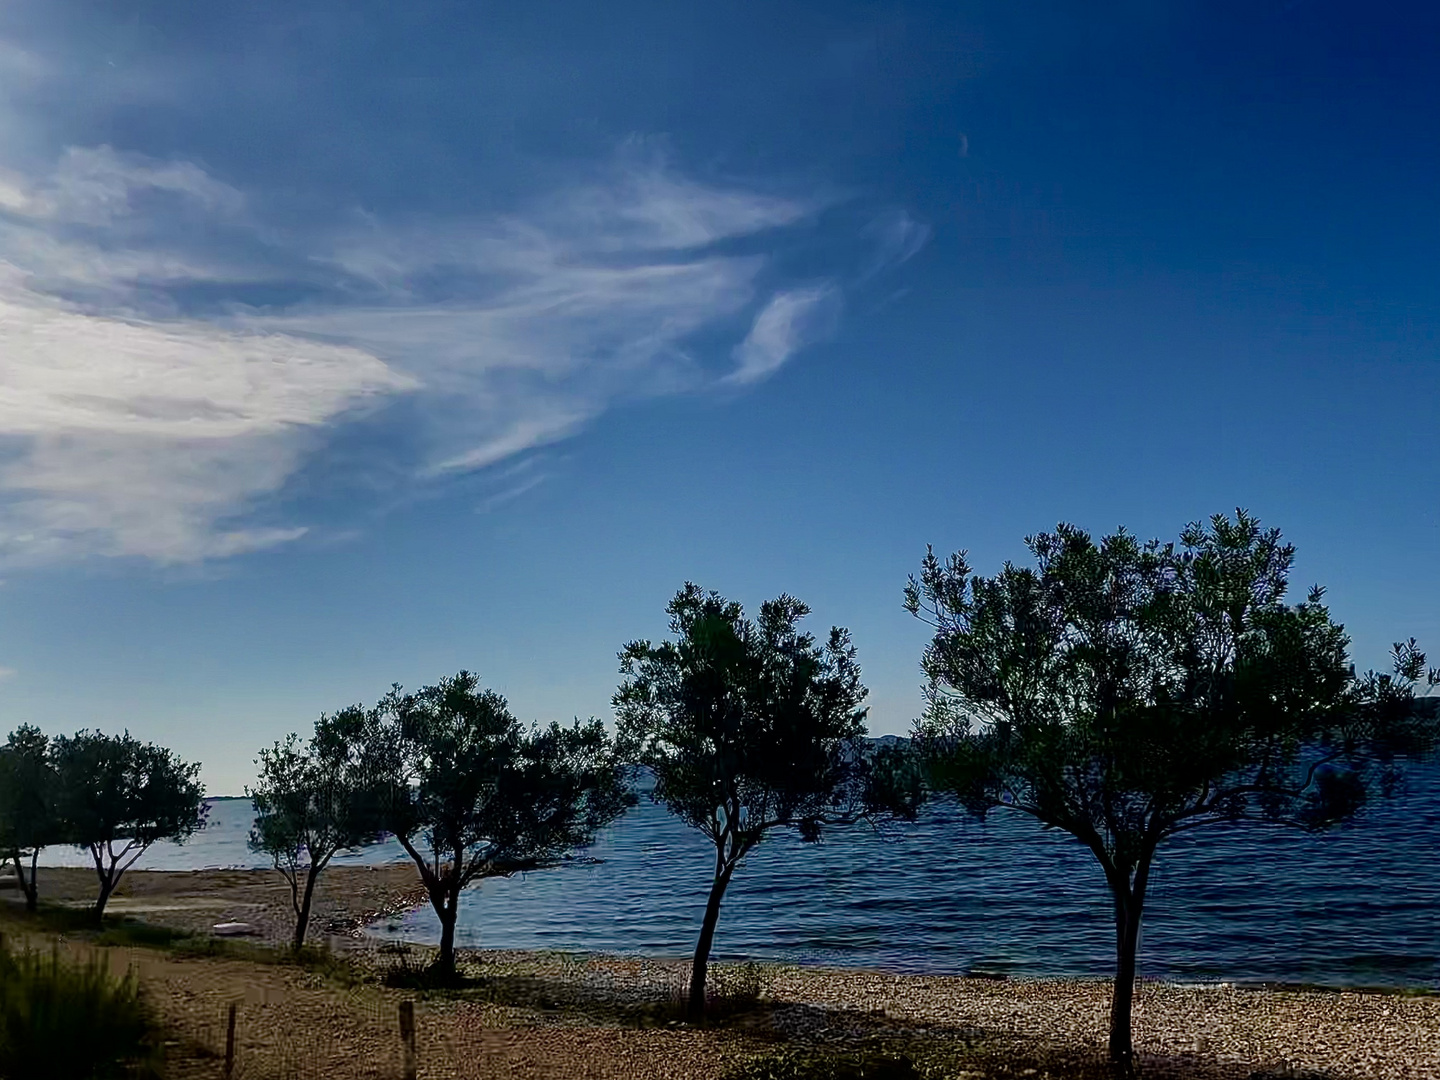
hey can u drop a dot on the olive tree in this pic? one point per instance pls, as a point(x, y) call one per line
point(117, 796)
point(311, 801)
point(28, 822)
point(748, 727)
point(470, 794)
point(1125, 693)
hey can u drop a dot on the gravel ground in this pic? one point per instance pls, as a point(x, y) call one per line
point(1380, 1036)
point(554, 1021)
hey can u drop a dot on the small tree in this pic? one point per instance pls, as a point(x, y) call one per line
point(28, 822)
point(1125, 693)
point(470, 794)
point(115, 790)
point(748, 727)
point(311, 802)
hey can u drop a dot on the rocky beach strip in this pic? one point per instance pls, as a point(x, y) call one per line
point(1340, 1034)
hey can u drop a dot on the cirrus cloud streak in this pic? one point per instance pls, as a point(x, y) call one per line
point(136, 421)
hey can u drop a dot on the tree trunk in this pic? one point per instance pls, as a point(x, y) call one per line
point(302, 917)
point(444, 895)
point(27, 885)
point(1129, 906)
point(107, 886)
point(447, 910)
point(701, 963)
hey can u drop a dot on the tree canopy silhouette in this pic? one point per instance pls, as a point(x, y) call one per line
point(312, 801)
point(28, 818)
point(470, 794)
point(748, 727)
point(115, 790)
point(1127, 692)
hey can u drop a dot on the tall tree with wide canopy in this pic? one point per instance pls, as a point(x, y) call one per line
point(1127, 692)
point(312, 801)
point(117, 796)
point(747, 727)
point(470, 794)
point(28, 820)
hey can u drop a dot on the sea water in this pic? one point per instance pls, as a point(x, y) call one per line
point(1359, 905)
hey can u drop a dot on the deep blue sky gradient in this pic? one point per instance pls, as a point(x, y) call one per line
point(1181, 257)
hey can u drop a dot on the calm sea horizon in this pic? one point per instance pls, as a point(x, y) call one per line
point(1358, 906)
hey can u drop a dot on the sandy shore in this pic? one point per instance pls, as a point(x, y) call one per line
point(346, 897)
point(1216, 1031)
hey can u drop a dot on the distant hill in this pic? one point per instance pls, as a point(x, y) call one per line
point(887, 740)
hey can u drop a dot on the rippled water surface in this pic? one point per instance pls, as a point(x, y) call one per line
point(1359, 905)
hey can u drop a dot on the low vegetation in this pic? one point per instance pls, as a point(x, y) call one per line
point(72, 1020)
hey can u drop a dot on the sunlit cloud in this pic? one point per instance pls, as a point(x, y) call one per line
point(133, 438)
point(132, 424)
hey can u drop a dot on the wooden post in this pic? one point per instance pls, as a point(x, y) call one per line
point(407, 1039)
point(230, 1043)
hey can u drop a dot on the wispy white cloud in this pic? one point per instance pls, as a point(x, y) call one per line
point(7, 673)
point(98, 186)
point(651, 208)
point(131, 425)
point(898, 238)
point(136, 438)
point(791, 320)
point(507, 483)
point(511, 492)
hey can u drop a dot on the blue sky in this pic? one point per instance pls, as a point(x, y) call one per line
point(351, 343)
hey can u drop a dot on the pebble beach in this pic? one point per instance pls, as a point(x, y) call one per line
point(1220, 1030)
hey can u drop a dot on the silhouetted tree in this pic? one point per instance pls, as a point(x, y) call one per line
point(115, 790)
point(28, 822)
point(470, 794)
point(1127, 692)
point(748, 727)
point(312, 801)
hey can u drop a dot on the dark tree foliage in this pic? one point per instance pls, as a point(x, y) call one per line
point(117, 796)
point(312, 801)
point(1126, 692)
point(748, 727)
point(470, 794)
point(28, 821)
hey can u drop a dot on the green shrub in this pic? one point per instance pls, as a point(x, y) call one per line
point(71, 1021)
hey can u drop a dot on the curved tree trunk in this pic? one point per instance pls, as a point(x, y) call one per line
point(110, 876)
point(1129, 907)
point(302, 918)
point(444, 893)
point(700, 966)
point(107, 886)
